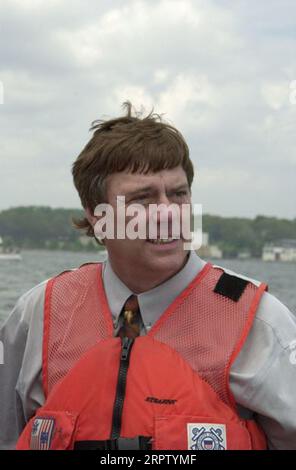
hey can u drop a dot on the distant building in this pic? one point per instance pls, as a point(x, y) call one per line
point(207, 250)
point(283, 250)
point(244, 255)
point(9, 252)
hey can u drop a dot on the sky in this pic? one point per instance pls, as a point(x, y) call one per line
point(223, 72)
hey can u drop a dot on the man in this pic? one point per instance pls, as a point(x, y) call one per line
point(204, 362)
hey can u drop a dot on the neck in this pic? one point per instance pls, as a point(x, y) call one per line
point(139, 280)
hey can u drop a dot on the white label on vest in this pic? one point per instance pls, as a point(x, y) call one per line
point(206, 436)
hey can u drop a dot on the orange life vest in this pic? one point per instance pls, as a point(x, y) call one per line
point(167, 390)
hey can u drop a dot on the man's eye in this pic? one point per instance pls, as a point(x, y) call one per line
point(181, 193)
point(140, 199)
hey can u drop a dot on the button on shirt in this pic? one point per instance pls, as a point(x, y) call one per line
point(262, 378)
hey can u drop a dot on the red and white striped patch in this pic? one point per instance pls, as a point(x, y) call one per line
point(41, 433)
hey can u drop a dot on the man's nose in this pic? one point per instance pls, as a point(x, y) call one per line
point(163, 199)
point(164, 213)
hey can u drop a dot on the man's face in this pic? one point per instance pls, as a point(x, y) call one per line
point(164, 187)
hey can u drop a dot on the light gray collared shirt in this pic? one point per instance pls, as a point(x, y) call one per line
point(153, 302)
point(262, 378)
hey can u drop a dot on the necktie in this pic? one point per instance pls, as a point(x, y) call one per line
point(131, 318)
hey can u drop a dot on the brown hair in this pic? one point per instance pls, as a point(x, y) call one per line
point(130, 143)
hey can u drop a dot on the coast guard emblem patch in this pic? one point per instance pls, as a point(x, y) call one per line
point(205, 436)
point(41, 433)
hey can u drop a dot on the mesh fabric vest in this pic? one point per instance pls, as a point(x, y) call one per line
point(204, 329)
point(207, 329)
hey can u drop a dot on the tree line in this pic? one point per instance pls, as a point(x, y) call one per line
point(40, 227)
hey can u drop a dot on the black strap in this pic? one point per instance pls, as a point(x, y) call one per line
point(136, 443)
point(230, 286)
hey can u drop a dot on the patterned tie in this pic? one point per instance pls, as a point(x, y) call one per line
point(131, 318)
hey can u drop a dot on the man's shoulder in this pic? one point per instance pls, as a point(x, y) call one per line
point(31, 303)
point(90, 267)
point(27, 307)
point(37, 293)
point(272, 314)
point(239, 275)
point(28, 302)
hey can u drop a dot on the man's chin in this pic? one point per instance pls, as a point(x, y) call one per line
point(166, 259)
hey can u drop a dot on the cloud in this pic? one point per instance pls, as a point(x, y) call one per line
point(220, 71)
point(276, 94)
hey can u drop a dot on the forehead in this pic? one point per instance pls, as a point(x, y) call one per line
point(123, 182)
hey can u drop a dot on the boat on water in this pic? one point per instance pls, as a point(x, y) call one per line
point(9, 253)
point(10, 256)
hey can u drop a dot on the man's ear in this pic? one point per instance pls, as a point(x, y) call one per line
point(90, 216)
point(93, 219)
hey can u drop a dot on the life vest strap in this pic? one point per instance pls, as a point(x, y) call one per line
point(122, 443)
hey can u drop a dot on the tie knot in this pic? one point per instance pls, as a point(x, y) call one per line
point(130, 309)
point(131, 318)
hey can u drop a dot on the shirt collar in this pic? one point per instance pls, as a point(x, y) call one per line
point(155, 301)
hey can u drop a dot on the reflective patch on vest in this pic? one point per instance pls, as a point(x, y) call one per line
point(41, 433)
point(206, 436)
point(230, 286)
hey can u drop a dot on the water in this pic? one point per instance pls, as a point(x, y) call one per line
point(16, 277)
point(280, 277)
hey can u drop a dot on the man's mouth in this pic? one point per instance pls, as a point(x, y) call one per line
point(161, 241)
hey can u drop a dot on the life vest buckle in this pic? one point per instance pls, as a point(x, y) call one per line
point(122, 443)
